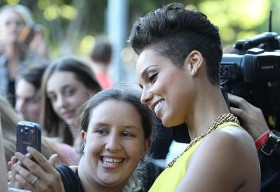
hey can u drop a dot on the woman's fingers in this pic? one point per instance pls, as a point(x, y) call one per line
point(26, 184)
point(28, 164)
point(25, 174)
point(37, 174)
point(239, 102)
point(251, 116)
point(24, 178)
point(42, 161)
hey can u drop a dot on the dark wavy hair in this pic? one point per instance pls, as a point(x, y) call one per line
point(174, 31)
point(33, 74)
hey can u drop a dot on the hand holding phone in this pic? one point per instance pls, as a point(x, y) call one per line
point(28, 134)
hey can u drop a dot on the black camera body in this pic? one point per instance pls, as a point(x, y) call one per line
point(253, 72)
point(250, 67)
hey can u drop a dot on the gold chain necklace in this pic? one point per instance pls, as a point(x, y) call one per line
point(226, 117)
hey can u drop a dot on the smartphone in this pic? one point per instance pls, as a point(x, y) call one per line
point(28, 134)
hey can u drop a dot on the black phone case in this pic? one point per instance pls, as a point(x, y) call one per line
point(28, 134)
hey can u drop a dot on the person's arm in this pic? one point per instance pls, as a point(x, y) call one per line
point(252, 117)
point(268, 150)
point(3, 166)
point(36, 175)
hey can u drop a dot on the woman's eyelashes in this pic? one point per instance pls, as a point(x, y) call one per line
point(128, 134)
point(102, 131)
point(152, 77)
point(68, 91)
point(107, 131)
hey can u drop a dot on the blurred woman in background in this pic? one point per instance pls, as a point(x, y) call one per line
point(22, 44)
point(66, 85)
point(28, 94)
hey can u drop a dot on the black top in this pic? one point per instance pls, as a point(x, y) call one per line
point(270, 171)
point(70, 179)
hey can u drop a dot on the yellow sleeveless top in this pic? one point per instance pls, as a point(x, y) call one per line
point(171, 177)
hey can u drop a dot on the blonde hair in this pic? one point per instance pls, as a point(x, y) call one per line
point(21, 10)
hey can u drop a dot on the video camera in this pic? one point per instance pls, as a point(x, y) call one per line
point(252, 71)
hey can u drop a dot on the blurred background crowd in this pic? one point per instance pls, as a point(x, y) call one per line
point(72, 26)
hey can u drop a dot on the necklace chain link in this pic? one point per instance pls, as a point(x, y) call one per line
point(226, 117)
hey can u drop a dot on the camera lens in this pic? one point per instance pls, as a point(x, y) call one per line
point(26, 130)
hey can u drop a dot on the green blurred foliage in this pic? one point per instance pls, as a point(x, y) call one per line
point(237, 19)
point(67, 23)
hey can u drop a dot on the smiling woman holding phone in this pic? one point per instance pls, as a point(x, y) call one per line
point(113, 149)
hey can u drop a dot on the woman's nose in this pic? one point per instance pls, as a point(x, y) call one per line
point(113, 144)
point(61, 101)
point(146, 96)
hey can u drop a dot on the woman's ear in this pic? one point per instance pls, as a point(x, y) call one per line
point(83, 136)
point(194, 61)
point(147, 145)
